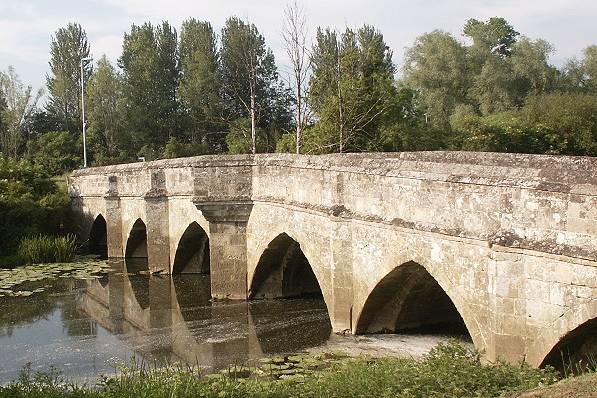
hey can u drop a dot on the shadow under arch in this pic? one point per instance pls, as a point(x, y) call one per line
point(409, 299)
point(576, 351)
point(98, 237)
point(136, 247)
point(284, 271)
point(192, 253)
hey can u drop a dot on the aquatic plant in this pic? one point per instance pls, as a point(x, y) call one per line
point(48, 249)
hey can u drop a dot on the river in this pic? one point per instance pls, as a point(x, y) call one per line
point(85, 327)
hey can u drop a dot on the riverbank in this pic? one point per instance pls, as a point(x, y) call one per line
point(449, 370)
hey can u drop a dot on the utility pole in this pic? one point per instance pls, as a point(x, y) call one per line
point(83, 60)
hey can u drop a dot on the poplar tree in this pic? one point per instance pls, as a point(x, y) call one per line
point(69, 45)
point(249, 77)
point(200, 86)
point(150, 80)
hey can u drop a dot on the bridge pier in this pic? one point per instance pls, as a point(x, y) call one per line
point(158, 224)
point(113, 218)
point(228, 247)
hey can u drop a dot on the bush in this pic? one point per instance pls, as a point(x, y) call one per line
point(47, 249)
point(30, 204)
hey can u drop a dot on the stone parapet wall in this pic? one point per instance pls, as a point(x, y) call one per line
point(544, 203)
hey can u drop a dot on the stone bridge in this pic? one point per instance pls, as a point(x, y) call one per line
point(502, 246)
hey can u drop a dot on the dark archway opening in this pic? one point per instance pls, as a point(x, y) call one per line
point(299, 318)
point(576, 352)
point(98, 237)
point(192, 254)
point(409, 300)
point(136, 248)
point(284, 271)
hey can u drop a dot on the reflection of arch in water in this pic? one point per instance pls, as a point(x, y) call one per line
point(192, 254)
point(283, 326)
point(98, 237)
point(410, 299)
point(576, 351)
point(283, 271)
point(136, 247)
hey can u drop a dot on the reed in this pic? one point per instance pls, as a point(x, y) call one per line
point(47, 249)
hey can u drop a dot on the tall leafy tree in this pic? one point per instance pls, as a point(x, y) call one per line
point(69, 45)
point(437, 67)
point(248, 74)
point(530, 67)
point(17, 103)
point(200, 86)
point(352, 90)
point(150, 80)
point(494, 36)
point(105, 112)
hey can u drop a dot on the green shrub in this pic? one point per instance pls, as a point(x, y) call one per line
point(48, 249)
point(30, 204)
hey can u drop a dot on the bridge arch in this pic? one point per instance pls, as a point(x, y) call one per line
point(283, 270)
point(409, 298)
point(192, 253)
point(98, 237)
point(579, 342)
point(136, 246)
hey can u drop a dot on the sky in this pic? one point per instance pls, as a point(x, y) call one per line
point(26, 26)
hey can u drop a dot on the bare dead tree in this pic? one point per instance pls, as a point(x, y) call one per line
point(295, 40)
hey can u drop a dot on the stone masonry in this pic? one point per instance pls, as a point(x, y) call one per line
point(509, 238)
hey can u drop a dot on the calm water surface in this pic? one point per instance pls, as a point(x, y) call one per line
point(85, 327)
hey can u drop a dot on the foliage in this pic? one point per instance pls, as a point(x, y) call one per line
point(177, 149)
point(352, 91)
point(200, 84)
point(150, 80)
point(104, 109)
point(56, 151)
point(448, 371)
point(47, 249)
point(437, 67)
point(17, 103)
point(30, 203)
point(238, 139)
point(249, 76)
point(564, 124)
point(207, 93)
point(69, 45)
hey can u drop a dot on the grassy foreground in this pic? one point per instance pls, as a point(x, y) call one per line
point(447, 371)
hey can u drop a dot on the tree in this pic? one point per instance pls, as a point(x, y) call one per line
point(248, 74)
point(56, 151)
point(295, 41)
point(104, 94)
point(494, 89)
point(589, 65)
point(150, 80)
point(18, 103)
point(200, 86)
point(352, 90)
point(436, 66)
point(69, 45)
point(532, 72)
point(496, 36)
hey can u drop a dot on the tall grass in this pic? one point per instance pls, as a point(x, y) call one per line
point(48, 249)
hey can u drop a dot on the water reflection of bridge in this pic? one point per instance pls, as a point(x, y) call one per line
point(171, 319)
